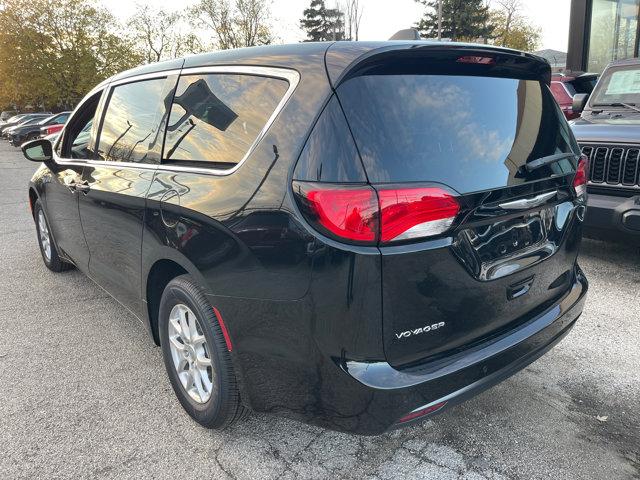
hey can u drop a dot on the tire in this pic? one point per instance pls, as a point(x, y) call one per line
point(47, 246)
point(183, 302)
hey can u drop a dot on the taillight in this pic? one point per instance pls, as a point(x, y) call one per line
point(360, 214)
point(581, 177)
point(415, 212)
point(349, 213)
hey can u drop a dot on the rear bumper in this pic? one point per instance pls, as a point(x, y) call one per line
point(612, 216)
point(395, 393)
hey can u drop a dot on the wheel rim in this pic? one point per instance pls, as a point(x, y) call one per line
point(190, 353)
point(45, 238)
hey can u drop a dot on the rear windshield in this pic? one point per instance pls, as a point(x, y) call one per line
point(471, 133)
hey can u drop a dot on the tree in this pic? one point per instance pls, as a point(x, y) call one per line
point(160, 34)
point(512, 29)
point(52, 52)
point(322, 23)
point(461, 20)
point(243, 23)
point(353, 16)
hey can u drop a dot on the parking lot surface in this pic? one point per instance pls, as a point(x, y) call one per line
point(84, 394)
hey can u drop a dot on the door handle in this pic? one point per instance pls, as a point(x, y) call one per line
point(82, 187)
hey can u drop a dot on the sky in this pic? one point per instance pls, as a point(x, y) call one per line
point(381, 18)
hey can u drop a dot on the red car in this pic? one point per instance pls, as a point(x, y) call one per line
point(564, 87)
point(50, 129)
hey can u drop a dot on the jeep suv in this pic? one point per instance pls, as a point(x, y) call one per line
point(608, 132)
point(356, 235)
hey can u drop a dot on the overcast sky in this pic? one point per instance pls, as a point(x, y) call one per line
point(382, 18)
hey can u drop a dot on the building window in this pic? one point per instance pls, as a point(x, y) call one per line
point(613, 32)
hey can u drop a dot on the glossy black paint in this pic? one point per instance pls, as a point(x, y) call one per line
point(304, 312)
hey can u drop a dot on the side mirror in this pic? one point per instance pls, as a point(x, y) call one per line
point(579, 102)
point(38, 150)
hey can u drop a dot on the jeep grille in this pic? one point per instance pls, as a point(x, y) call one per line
point(613, 164)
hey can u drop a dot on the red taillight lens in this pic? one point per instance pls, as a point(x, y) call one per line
point(581, 177)
point(350, 213)
point(415, 212)
point(358, 215)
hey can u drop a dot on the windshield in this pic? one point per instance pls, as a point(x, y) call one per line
point(618, 85)
point(471, 133)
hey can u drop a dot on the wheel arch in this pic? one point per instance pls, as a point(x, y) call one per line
point(33, 198)
point(160, 272)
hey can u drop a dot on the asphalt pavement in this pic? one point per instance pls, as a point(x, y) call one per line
point(84, 394)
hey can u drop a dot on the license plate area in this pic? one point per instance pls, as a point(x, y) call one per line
point(503, 247)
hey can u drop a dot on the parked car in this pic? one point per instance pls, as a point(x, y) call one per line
point(50, 129)
point(31, 121)
point(21, 133)
point(6, 115)
point(17, 119)
point(564, 87)
point(608, 132)
point(321, 233)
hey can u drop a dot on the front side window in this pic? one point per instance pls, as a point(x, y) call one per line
point(215, 118)
point(78, 140)
point(133, 122)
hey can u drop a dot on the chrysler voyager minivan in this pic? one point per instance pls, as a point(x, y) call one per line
point(357, 235)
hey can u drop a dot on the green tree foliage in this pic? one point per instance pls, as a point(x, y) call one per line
point(322, 23)
point(52, 52)
point(512, 29)
point(462, 20)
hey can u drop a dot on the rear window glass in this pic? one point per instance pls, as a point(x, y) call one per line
point(471, 133)
point(215, 118)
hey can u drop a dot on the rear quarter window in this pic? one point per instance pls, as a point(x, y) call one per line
point(216, 118)
point(471, 133)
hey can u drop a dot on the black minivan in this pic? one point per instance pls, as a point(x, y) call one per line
point(356, 235)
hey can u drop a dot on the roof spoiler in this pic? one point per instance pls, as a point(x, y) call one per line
point(406, 34)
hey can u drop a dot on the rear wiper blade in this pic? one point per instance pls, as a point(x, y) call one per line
point(542, 161)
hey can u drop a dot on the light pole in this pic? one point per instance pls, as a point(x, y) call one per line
point(439, 20)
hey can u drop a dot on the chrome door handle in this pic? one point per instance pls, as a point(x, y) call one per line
point(82, 187)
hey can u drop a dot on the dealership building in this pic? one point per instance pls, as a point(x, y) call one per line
point(601, 31)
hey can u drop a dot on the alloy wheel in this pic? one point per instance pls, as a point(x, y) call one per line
point(45, 238)
point(190, 353)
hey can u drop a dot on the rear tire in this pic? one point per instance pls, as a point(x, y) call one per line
point(196, 356)
point(47, 246)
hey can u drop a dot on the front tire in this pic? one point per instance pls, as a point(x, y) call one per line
point(196, 356)
point(47, 246)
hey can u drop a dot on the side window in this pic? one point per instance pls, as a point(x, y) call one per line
point(78, 141)
point(133, 122)
point(215, 118)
